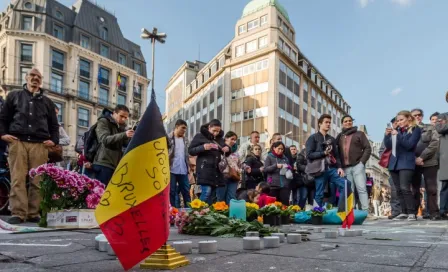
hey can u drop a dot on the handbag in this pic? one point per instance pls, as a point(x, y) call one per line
point(55, 154)
point(385, 158)
point(233, 173)
point(316, 167)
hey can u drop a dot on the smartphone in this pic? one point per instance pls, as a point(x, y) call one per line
point(389, 125)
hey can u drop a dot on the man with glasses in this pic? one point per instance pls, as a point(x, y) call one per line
point(179, 162)
point(28, 123)
point(427, 165)
point(355, 150)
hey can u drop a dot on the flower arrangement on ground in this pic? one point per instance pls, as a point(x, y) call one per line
point(271, 214)
point(208, 222)
point(62, 189)
point(197, 204)
point(317, 214)
point(173, 212)
point(251, 211)
point(220, 207)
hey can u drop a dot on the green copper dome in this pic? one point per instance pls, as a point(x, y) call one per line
point(257, 5)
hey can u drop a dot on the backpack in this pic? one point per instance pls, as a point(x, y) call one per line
point(90, 143)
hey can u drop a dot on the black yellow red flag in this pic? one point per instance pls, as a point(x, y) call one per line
point(133, 212)
point(345, 208)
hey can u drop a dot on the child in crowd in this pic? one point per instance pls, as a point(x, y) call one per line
point(264, 199)
point(253, 196)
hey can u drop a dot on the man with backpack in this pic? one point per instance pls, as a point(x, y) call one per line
point(105, 140)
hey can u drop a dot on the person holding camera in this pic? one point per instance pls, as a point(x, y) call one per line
point(324, 162)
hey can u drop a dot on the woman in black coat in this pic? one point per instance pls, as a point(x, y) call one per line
point(255, 174)
point(208, 145)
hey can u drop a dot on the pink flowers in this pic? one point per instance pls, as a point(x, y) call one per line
point(78, 191)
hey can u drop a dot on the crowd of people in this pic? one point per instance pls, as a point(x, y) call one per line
point(213, 168)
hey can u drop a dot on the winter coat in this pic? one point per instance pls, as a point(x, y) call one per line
point(405, 149)
point(29, 117)
point(315, 149)
point(273, 173)
point(112, 138)
point(207, 170)
point(442, 129)
point(428, 145)
point(359, 149)
point(172, 148)
point(256, 175)
point(64, 139)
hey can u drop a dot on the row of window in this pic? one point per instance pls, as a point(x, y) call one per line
point(251, 46)
point(255, 113)
point(251, 90)
point(206, 74)
point(291, 53)
point(250, 69)
point(58, 32)
point(253, 24)
point(285, 28)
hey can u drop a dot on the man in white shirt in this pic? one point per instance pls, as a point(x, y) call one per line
point(178, 156)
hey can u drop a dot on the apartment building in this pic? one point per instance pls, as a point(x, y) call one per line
point(259, 81)
point(86, 62)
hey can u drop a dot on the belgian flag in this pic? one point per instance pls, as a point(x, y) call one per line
point(133, 211)
point(345, 208)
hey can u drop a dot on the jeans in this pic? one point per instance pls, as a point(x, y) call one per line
point(333, 200)
point(403, 183)
point(394, 201)
point(376, 207)
point(357, 175)
point(281, 194)
point(301, 195)
point(179, 183)
point(103, 173)
point(444, 197)
point(207, 193)
point(227, 192)
point(430, 175)
point(331, 175)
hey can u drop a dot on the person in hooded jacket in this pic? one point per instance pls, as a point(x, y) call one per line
point(355, 150)
point(442, 129)
point(208, 146)
point(253, 160)
point(276, 165)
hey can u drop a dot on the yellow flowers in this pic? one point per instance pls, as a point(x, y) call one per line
point(220, 206)
point(252, 205)
point(294, 208)
point(197, 204)
point(278, 204)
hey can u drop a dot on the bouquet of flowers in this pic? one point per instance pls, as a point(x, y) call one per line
point(221, 207)
point(173, 212)
point(318, 211)
point(271, 209)
point(294, 209)
point(197, 205)
point(63, 189)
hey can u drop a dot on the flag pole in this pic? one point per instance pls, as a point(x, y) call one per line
point(346, 200)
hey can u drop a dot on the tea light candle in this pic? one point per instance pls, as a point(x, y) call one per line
point(251, 243)
point(294, 238)
point(183, 247)
point(208, 247)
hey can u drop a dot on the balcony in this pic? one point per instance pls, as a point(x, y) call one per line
point(57, 65)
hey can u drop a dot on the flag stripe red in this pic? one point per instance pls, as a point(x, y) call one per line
point(134, 242)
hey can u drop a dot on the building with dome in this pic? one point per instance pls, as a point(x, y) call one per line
point(259, 81)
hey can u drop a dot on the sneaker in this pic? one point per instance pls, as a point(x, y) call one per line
point(14, 220)
point(33, 219)
point(420, 217)
point(401, 216)
point(436, 217)
point(372, 217)
point(411, 217)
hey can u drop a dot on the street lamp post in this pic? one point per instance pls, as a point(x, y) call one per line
point(153, 36)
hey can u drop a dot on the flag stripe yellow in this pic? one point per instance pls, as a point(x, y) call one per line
point(141, 174)
point(349, 207)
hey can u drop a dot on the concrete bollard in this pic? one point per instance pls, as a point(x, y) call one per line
point(271, 241)
point(251, 243)
point(102, 247)
point(346, 232)
point(358, 232)
point(109, 250)
point(208, 247)
point(252, 234)
point(331, 234)
point(183, 247)
point(318, 229)
point(281, 236)
point(294, 238)
point(98, 238)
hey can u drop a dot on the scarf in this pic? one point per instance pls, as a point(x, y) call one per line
point(277, 155)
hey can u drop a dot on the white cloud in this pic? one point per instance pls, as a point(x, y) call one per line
point(402, 3)
point(364, 3)
point(396, 91)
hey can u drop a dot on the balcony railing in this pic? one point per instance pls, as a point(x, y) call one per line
point(84, 73)
point(57, 65)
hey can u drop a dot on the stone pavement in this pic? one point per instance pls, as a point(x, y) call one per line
point(415, 246)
